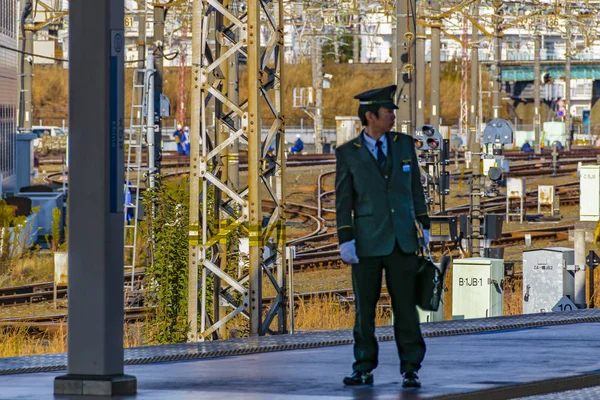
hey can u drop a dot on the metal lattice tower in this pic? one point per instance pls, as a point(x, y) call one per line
point(254, 31)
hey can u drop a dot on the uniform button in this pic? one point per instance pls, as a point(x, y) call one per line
point(386, 177)
point(392, 210)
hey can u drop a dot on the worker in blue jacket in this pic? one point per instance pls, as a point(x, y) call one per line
point(298, 146)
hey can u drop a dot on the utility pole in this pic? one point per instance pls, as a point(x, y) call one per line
point(473, 144)
point(496, 71)
point(464, 88)
point(27, 72)
point(434, 115)
point(356, 44)
point(421, 38)
point(406, 55)
point(536, 91)
point(150, 121)
point(159, 37)
point(473, 117)
point(317, 75)
point(195, 134)
point(568, 90)
point(141, 43)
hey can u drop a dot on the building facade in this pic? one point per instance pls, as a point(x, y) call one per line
point(8, 93)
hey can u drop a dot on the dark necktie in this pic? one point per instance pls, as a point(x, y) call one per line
point(380, 155)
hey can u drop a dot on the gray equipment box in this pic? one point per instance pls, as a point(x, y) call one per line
point(546, 279)
point(46, 201)
point(477, 288)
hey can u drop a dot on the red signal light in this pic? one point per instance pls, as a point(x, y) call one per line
point(433, 143)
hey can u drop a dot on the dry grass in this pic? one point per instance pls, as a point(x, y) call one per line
point(17, 342)
point(331, 312)
point(50, 91)
point(31, 268)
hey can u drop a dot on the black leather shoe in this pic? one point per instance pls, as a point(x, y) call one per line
point(411, 379)
point(359, 379)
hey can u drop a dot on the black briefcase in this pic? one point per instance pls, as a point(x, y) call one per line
point(430, 282)
point(430, 276)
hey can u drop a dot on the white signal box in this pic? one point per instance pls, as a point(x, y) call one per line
point(346, 128)
point(546, 198)
point(477, 288)
point(589, 193)
point(515, 188)
point(546, 278)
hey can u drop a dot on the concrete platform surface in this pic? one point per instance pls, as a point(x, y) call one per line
point(456, 366)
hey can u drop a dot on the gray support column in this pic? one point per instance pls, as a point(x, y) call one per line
point(536, 92)
point(96, 106)
point(434, 115)
point(473, 117)
point(421, 37)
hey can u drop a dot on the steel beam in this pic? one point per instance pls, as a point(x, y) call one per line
point(195, 136)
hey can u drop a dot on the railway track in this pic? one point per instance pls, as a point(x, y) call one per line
point(568, 192)
point(58, 320)
point(308, 256)
point(44, 291)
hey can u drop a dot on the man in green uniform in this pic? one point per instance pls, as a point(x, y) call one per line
point(378, 198)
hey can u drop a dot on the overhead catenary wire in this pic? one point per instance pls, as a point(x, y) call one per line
point(169, 56)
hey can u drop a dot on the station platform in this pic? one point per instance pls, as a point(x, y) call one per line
point(534, 355)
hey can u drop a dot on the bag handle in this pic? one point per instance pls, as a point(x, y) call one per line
point(423, 247)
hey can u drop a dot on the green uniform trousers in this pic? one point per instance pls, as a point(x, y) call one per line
point(400, 274)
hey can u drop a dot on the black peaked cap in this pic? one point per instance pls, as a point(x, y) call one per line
point(383, 97)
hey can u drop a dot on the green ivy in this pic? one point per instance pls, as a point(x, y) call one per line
point(166, 233)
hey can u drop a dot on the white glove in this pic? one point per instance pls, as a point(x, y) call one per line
point(348, 252)
point(426, 236)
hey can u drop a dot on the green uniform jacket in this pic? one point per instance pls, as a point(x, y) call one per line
point(376, 205)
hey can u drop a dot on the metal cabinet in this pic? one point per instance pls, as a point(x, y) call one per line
point(546, 278)
point(477, 288)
